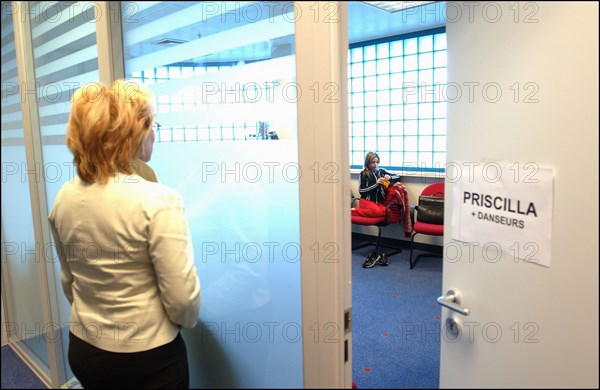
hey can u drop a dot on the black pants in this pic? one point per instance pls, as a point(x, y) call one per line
point(162, 367)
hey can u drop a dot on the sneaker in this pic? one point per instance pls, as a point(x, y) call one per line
point(371, 260)
point(382, 259)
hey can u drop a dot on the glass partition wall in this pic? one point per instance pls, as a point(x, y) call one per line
point(224, 77)
point(57, 54)
point(24, 321)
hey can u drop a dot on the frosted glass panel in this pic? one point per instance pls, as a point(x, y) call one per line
point(224, 78)
point(242, 204)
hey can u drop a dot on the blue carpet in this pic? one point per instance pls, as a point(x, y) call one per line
point(396, 322)
point(16, 374)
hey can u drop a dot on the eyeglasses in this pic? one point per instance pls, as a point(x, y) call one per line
point(156, 127)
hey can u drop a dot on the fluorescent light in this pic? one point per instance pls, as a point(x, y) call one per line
point(395, 6)
point(168, 41)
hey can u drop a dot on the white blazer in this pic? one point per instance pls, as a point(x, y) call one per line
point(127, 264)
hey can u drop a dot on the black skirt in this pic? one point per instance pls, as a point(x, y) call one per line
point(162, 367)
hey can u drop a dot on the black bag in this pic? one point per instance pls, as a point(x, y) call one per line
point(431, 209)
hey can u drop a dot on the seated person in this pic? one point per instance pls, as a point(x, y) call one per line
point(373, 182)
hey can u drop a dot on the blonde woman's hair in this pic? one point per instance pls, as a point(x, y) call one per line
point(107, 127)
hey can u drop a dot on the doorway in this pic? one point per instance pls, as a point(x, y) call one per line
point(397, 63)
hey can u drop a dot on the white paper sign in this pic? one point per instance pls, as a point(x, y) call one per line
point(506, 205)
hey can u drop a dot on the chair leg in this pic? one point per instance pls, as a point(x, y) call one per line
point(410, 259)
point(413, 262)
point(378, 239)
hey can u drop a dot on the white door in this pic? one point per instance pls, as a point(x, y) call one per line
point(528, 78)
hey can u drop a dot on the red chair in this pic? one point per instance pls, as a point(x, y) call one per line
point(393, 214)
point(435, 189)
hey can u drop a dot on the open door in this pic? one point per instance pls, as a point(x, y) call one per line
point(527, 77)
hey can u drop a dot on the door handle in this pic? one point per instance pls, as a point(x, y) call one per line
point(452, 302)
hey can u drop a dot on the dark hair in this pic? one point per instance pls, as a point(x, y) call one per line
point(368, 159)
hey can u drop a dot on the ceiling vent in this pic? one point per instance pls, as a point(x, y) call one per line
point(168, 41)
